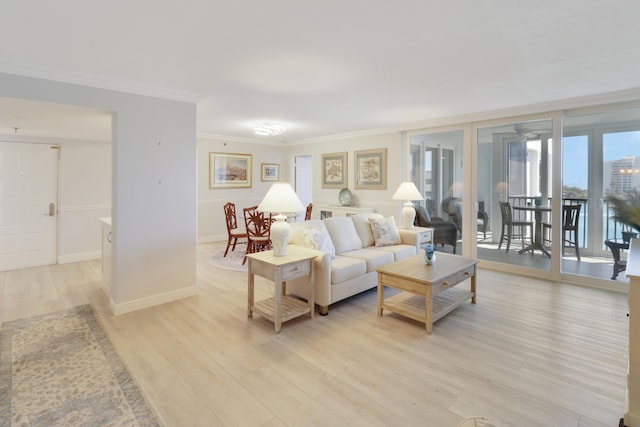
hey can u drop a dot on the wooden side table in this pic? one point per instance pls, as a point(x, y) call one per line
point(281, 307)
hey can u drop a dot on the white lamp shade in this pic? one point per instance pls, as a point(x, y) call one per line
point(280, 198)
point(407, 191)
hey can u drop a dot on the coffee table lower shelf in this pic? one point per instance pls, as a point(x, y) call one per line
point(290, 309)
point(413, 305)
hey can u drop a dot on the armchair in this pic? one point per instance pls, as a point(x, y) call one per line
point(444, 232)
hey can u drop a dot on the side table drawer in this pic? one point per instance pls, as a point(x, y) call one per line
point(453, 280)
point(426, 237)
point(299, 269)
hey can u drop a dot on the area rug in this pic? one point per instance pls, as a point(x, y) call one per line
point(60, 369)
point(233, 260)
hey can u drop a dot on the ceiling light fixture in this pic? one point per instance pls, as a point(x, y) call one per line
point(268, 129)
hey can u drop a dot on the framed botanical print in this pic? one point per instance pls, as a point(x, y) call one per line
point(269, 172)
point(371, 169)
point(334, 170)
point(230, 170)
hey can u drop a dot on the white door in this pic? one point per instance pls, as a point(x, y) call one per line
point(28, 205)
point(304, 181)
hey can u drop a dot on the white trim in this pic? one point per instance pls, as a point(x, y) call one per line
point(263, 141)
point(99, 81)
point(139, 304)
point(82, 208)
point(81, 256)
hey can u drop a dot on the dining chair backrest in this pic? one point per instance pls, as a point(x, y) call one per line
point(230, 216)
point(258, 225)
point(506, 212)
point(570, 216)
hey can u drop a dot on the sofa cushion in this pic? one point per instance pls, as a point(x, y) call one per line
point(399, 251)
point(343, 234)
point(385, 232)
point(361, 221)
point(374, 258)
point(312, 234)
point(345, 268)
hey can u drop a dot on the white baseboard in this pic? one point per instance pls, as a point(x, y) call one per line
point(151, 301)
point(84, 256)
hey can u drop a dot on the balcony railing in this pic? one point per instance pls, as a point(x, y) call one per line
point(611, 228)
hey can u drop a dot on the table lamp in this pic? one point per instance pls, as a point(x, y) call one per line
point(409, 192)
point(280, 198)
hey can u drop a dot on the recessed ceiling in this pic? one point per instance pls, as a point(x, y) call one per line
point(330, 67)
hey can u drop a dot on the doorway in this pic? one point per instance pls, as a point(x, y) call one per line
point(304, 179)
point(28, 205)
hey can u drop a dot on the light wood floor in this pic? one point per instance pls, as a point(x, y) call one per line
point(530, 353)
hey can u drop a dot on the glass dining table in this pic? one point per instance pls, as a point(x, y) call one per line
point(536, 242)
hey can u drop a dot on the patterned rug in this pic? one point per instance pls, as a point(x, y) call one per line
point(233, 260)
point(60, 369)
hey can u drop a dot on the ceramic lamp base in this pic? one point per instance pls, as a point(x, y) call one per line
point(279, 233)
point(408, 216)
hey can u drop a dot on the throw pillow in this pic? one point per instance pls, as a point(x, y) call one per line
point(361, 221)
point(385, 232)
point(318, 238)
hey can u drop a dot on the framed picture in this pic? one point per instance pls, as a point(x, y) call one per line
point(230, 170)
point(270, 171)
point(334, 170)
point(371, 169)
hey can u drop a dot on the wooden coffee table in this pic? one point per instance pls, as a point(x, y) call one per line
point(429, 291)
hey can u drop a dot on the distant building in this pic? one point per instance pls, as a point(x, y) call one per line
point(621, 175)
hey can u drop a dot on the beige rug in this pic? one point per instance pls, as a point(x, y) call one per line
point(233, 260)
point(60, 369)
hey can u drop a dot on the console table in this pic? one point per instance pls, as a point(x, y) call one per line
point(328, 211)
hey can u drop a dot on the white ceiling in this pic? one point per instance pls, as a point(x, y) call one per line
point(322, 68)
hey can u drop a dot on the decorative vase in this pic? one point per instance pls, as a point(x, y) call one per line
point(429, 255)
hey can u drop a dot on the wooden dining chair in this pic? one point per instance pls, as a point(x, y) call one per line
point(233, 232)
point(307, 215)
point(258, 227)
point(509, 225)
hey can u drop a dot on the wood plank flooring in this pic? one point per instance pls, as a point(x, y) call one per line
point(529, 353)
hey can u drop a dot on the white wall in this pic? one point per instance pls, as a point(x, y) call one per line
point(211, 221)
point(153, 193)
point(84, 196)
point(380, 200)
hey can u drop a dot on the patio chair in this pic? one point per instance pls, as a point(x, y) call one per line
point(233, 232)
point(570, 218)
point(444, 232)
point(509, 225)
point(483, 219)
point(258, 231)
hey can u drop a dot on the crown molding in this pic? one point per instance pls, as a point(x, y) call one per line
point(226, 138)
point(9, 137)
point(100, 82)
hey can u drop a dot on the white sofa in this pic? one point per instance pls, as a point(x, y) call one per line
point(348, 255)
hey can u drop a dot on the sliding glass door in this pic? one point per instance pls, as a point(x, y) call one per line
point(436, 160)
point(601, 157)
point(514, 193)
